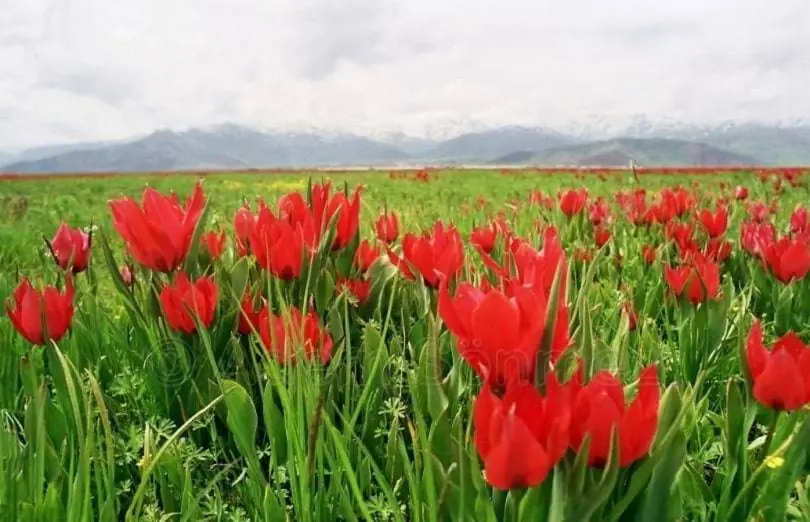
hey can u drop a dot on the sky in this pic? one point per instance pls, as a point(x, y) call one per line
point(84, 70)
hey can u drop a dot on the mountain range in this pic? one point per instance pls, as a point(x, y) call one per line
point(230, 146)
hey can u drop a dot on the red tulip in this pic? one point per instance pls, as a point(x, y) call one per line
point(360, 289)
point(348, 217)
point(387, 227)
point(183, 301)
point(649, 253)
point(600, 407)
point(697, 282)
point(285, 337)
point(278, 245)
point(583, 255)
point(714, 223)
point(43, 316)
point(632, 316)
point(437, 253)
point(483, 238)
point(158, 233)
point(601, 236)
point(798, 221)
point(523, 435)
point(248, 315)
point(740, 193)
point(781, 376)
point(598, 211)
point(718, 250)
point(498, 334)
point(755, 237)
point(366, 255)
point(214, 244)
point(127, 274)
point(244, 220)
point(787, 259)
point(70, 248)
point(758, 212)
point(572, 202)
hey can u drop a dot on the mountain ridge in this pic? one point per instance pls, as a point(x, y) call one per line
point(232, 146)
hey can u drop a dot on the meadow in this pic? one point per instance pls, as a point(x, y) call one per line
point(465, 345)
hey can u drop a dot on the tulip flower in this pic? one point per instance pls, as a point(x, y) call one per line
point(213, 243)
point(439, 252)
point(365, 256)
point(598, 212)
point(70, 248)
point(523, 435)
point(292, 334)
point(499, 334)
point(758, 212)
point(158, 233)
point(41, 316)
point(278, 245)
point(798, 221)
point(359, 289)
point(781, 375)
point(348, 217)
point(387, 227)
point(244, 221)
point(248, 315)
point(698, 282)
point(787, 259)
point(740, 193)
point(483, 238)
point(572, 202)
point(715, 223)
point(183, 301)
point(649, 254)
point(755, 237)
point(600, 408)
point(601, 236)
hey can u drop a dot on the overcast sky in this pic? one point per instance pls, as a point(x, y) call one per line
point(74, 70)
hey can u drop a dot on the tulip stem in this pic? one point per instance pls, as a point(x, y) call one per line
point(769, 437)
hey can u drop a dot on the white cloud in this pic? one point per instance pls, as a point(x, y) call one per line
point(94, 69)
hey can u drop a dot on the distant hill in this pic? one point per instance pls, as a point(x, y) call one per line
point(484, 146)
point(775, 145)
point(223, 147)
point(619, 152)
point(231, 146)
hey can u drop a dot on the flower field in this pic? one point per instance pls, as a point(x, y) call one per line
point(407, 346)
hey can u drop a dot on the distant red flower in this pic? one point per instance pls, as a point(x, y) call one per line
point(214, 244)
point(599, 211)
point(758, 211)
point(787, 259)
point(600, 407)
point(70, 248)
point(387, 227)
point(41, 316)
point(127, 274)
point(348, 217)
point(715, 223)
point(572, 202)
point(158, 233)
point(649, 254)
point(523, 435)
point(483, 237)
point(292, 334)
point(799, 221)
point(435, 253)
point(601, 236)
point(366, 255)
point(183, 301)
point(781, 376)
point(740, 193)
point(632, 316)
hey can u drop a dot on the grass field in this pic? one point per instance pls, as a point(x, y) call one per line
point(518, 346)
